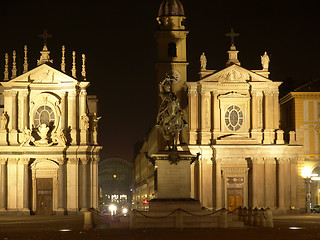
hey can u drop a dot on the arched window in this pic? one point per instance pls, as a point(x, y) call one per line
point(44, 114)
point(172, 49)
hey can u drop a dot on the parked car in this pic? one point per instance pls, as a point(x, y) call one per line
point(315, 209)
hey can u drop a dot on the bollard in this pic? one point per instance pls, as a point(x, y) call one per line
point(179, 219)
point(250, 216)
point(269, 216)
point(262, 217)
point(245, 215)
point(88, 221)
point(240, 214)
point(255, 217)
point(132, 215)
point(223, 218)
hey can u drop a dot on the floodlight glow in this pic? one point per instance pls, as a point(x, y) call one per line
point(65, 230)
point(124, 210)
point(296, 228)
point(306, 172)
point(113, 209)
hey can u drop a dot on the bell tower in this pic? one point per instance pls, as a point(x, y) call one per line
point(171, 39)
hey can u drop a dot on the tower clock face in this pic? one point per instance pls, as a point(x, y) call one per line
point(233, 117)
point(174, 74)
point(44, 114)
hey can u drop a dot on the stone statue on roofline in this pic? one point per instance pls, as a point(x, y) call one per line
point(265, 61)
point(203, 62)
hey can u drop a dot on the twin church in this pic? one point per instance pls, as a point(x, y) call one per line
point(48, 138)
point(48, 133)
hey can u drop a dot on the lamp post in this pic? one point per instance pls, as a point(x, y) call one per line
point(306, 173)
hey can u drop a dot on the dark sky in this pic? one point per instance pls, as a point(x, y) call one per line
point(118, 40)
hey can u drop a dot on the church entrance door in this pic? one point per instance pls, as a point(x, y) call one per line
point(44, 196)
point(235, 192)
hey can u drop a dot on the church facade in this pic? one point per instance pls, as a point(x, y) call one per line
point(233, 116)
point(48, 139)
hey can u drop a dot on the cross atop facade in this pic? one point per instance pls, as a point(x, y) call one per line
point(45, 36)
point(232, 35)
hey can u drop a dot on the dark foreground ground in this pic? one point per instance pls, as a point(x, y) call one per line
point(70, 227)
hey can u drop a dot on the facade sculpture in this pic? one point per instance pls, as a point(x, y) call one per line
point(265, 61)
point(203, 62)
point(3, 121)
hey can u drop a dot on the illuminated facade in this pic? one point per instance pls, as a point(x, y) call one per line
point(233, 116)
point(300, 112)
point(48, 139)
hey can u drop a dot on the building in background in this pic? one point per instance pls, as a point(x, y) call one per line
point(48, 138)
point(115, 181)
point(300, 112)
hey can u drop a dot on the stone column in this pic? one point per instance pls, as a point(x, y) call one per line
point(13, 118)
point(294, 183)
point(207, 181)
point(26, 186)
point(84, 184)
point(268, 118)
point(258, 184)
point(256, 115)
point(193, 116)
point(281, 184)
point(205, 133)
point(61, 188)
point(23, 114)
point(217, 190)
point(276, 110)
point(270, 182)
point(72, 116)
point(95, 191)
point(12, 182)
point(72, 185)
point(3, 185)
point(63, 110)
point(216, 115)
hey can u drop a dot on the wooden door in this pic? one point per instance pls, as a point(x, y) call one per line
point(234, 192)
point(44, 196)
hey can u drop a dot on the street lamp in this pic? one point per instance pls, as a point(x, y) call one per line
point(306, 173)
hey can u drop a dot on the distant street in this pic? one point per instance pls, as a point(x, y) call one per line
point(70, 227)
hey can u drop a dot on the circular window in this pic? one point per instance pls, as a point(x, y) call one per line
point(234, 117)
point(44, 114)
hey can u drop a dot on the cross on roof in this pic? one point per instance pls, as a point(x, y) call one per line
point(232, 35)
point(45, 36)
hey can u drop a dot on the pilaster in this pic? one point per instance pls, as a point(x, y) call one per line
point(84, 185)
point(193, 115)
point(72, 185)
point(72, 116)
point(217, 189)
point(216, 115)
point(3, 185)
point(205, 134)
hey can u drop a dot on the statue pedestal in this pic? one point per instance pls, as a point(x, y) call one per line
point(3, 137)
point(173, 182)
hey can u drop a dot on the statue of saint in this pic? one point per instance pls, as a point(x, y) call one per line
point(3, 121)
point(203, 62)
point(59, 137)
point(84, 122)
point(95, 121)
point(265, 61)
point(27, 136)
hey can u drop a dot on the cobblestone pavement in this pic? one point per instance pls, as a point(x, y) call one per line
point(70, 227)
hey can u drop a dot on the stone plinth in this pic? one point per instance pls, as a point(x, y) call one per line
point(173, 180)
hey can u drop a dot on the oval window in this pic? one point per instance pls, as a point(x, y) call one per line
point(233, 118)
point(44, 114)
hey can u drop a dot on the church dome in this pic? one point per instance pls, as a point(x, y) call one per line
point(171, 8)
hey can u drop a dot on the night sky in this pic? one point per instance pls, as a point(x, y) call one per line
point(118, 40)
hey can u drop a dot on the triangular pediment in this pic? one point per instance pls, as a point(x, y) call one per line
point(44, 74)
point(234, 74)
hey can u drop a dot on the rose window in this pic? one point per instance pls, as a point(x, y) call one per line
point(234, 118)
